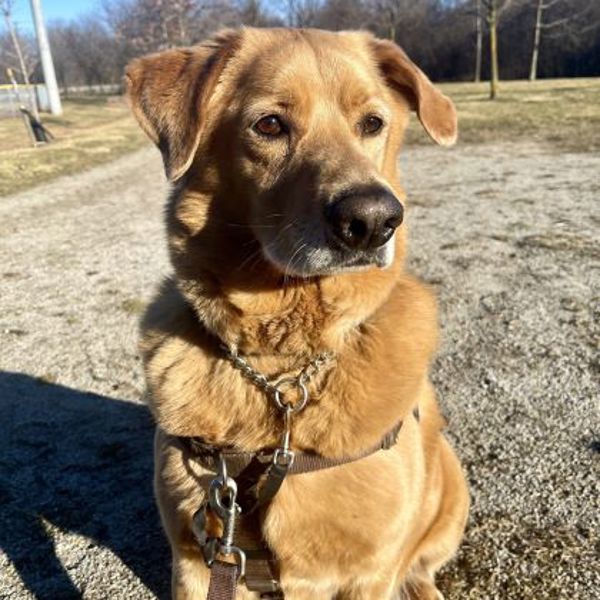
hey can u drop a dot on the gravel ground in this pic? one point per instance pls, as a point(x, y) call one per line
point(508, 234)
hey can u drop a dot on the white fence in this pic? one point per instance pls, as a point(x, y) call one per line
point(26, 95)
point(92, 90)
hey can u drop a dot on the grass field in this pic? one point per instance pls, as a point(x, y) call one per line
point(91, 131)
point(564, 113)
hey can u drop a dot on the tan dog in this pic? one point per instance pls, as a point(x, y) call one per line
point(284, 233)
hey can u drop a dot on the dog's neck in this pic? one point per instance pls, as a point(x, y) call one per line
point(296, 319)
point(287, 321)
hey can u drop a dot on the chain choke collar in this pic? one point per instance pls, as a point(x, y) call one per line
point(279, 387)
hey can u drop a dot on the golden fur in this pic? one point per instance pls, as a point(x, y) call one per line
point(374, 529)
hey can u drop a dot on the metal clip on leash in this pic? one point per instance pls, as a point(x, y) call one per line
point(222, 496)
point(222, 500)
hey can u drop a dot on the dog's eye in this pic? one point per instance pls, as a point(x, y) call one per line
point(270, 125)
point(371, 125)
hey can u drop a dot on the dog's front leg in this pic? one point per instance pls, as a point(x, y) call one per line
point(369, 589)
point(305, 589)
point(190, 577)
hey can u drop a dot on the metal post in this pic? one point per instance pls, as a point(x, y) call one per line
point(26, 121)
point(46, 57)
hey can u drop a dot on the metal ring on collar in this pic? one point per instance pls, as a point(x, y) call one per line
point(279, 394)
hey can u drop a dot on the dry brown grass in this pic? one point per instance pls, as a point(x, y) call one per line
point(91, 131)
point(562, 112)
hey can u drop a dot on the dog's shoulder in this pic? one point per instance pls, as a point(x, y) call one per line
point(167, 314)
point(411, 312)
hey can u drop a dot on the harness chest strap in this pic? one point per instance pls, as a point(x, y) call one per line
point(259, 477)
point(249, 470)
point(208, 455)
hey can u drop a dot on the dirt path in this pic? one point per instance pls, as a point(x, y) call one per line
point(507, 234)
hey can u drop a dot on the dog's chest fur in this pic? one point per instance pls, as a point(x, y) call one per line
point(374, 381)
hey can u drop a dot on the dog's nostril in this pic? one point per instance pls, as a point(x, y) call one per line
point(358, 228)
point(393, 222)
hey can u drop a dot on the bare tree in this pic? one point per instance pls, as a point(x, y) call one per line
point(251, 12)
point(478, 41)
point(342, 14)
point(575, 19)
point(92, 52)
point(142, 26)
point(494, 9)
point(255, 14)
point(440, 35)
point(303, 13)
point(389, 13)
point(6, 6)
point(396, 15)
point(67, 71)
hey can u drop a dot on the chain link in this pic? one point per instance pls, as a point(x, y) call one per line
point(275, 387)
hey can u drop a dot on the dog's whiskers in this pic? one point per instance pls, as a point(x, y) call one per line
point(253, 258)
point(290, 265)
point(253, 255)
point(250, 226)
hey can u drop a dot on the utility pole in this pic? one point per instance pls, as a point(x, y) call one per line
point(46, 57)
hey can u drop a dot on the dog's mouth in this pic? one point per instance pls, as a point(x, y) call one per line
point(305, 257)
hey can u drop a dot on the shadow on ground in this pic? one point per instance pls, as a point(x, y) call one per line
point(81, 463)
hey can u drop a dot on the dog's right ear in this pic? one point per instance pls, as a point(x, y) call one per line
point(169, 93)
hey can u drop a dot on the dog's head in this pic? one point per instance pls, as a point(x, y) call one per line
point(294, 134)
point(282, 147)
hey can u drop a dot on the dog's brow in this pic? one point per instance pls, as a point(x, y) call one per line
point(263, 104)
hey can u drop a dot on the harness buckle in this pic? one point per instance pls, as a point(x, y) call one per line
point(283, 457)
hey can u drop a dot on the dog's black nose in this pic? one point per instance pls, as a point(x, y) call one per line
point(364, 219)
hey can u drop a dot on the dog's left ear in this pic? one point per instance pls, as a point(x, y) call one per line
point(169, 93)
point(435, 111)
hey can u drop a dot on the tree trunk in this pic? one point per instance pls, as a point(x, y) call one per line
point(493, 23)
point(479, 30)
point(536, 41)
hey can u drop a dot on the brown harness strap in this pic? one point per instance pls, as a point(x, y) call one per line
point(223, 581)
point(304, 462)
point(262, 571)
point(250, 469)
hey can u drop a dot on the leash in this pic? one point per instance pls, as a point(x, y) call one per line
point(258, 478)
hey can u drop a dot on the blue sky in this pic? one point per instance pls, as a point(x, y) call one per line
point(52, 11)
